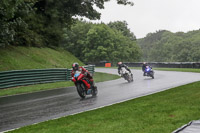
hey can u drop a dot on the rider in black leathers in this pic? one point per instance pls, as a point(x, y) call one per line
point(120, 65)
point(144, 65)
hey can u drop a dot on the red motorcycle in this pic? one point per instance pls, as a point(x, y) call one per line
point(83, 86)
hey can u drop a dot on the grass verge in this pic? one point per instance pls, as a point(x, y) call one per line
point(20, 58)
point(157, 113)
point(173, 69)
point(179, 69)
point(98, 77)
point(165, 69)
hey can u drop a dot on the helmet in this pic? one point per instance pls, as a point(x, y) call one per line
point(144, 62)
point(119, 63)
point(75, 66)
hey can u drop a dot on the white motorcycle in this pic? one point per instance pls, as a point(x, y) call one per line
point(126, 74)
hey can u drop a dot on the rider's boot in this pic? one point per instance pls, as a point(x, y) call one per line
point(92, 83)
point(144, 74)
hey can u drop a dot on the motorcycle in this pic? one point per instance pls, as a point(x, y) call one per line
point(149, 72)
point(126, 74)
point(83, 86)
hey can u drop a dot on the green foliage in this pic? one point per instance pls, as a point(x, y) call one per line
point(75, 39)
point(122, 26)
point(40, 22)
point(98, 42)
point(11, 19)
point(165, 46)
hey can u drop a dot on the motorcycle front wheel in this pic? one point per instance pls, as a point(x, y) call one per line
point(81, 90)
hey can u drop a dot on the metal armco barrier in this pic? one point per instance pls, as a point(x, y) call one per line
point(36, 76)
point(156, 64)
point(166, 64)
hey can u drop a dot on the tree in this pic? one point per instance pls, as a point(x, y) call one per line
point(122, 26)
point(41, 22)
point(11, 14)
point(104, 43)
point(165, 46)
point(66, 10)
point(98, 42)
point(75, 39)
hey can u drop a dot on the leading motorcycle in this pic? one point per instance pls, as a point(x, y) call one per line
point(126, 74)
point(83, 86)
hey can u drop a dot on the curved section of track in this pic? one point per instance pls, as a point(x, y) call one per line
point(20, 110)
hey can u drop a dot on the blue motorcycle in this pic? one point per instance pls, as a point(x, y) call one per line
point(149, 72)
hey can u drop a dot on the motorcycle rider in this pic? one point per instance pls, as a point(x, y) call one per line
point(75, 67)
point(120, 65)
point(144, 66)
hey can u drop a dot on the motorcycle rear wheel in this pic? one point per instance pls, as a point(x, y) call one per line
point(152, 75)
point(131, 77)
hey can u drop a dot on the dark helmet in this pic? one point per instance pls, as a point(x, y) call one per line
point(75, 66)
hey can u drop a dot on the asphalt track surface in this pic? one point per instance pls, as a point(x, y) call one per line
point(21, 110)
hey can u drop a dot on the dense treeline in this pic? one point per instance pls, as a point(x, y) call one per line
point(165, 46)
point(40, 23)
point(99, 42)
point(52, 23)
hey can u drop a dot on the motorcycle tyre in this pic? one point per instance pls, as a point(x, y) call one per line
point(81, 90)
point(94, 91)
point(130, 78)
point(152, 75)
point(126, 77)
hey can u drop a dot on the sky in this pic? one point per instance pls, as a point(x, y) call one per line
point(149, 16)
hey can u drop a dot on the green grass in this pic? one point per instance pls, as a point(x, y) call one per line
point(98, 77)
point(196, 70)
point(173, 69)
point(158, 113)
point(19, 58)
point(179, 69)
point(101, 77)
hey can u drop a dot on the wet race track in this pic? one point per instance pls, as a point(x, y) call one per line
point(20, 110)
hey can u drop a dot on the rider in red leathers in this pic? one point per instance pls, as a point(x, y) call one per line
point(87, 74)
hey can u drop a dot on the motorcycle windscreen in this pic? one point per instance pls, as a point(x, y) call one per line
point(77, 73)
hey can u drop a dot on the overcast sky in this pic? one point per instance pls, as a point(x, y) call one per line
point(152, 15)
